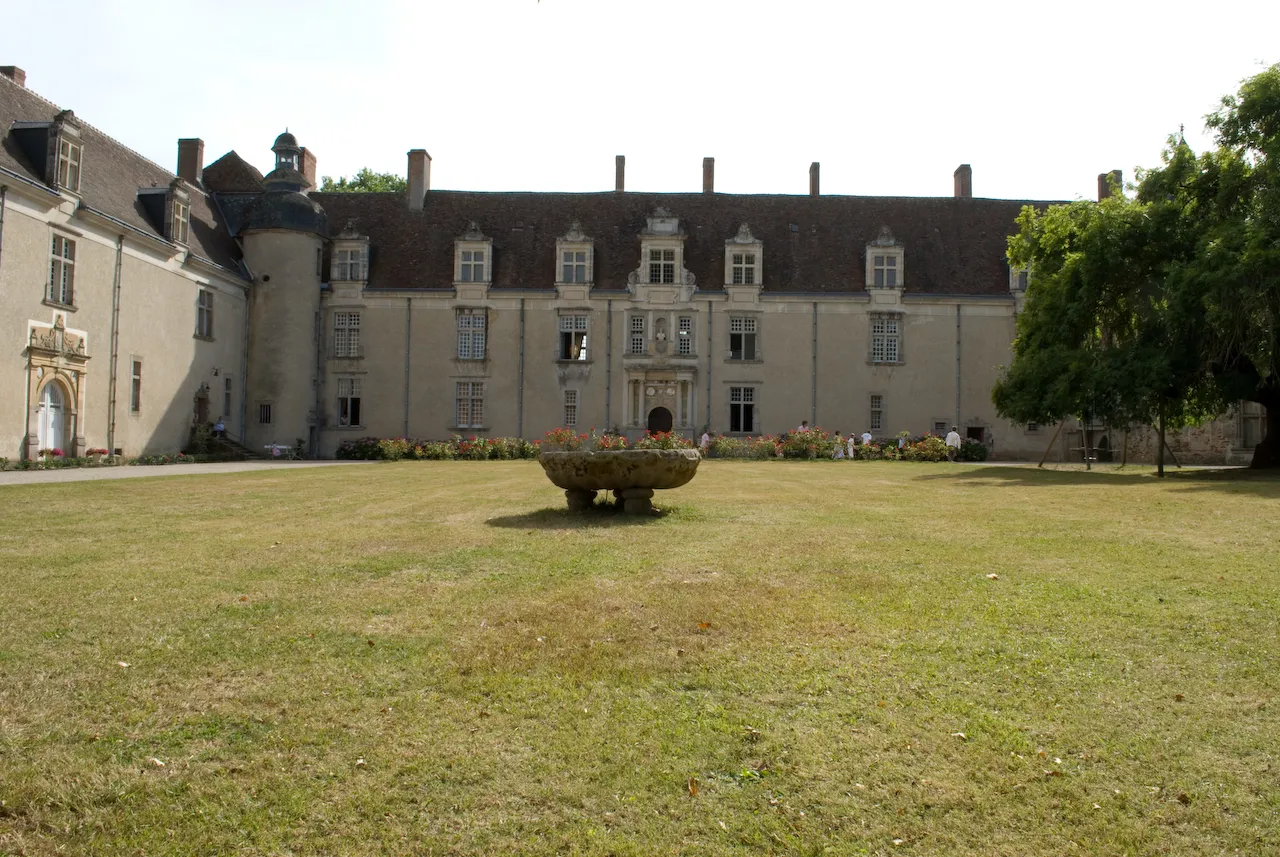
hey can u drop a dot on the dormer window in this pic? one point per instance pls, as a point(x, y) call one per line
point(474, 257)
point(69, 156)
point(471, 266)
point(575, 256)
point(349, 264)
point(742, 257)
point(179, 224)
point(885, 262)
point(885, 270)
point(662, 266)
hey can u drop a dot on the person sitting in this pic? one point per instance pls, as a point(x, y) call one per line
point(219, 428)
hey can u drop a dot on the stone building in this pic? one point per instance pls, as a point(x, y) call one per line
point(297, 315)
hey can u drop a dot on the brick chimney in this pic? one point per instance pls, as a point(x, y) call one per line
point(813, 179)
point(620, 173)
point(419, 178)
point(191, 159)
point(964, 181)
point(708, 175)
point(308, 167)
point(1106, 180)
point(15, 74)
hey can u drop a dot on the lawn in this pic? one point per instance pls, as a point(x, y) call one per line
point(436, 658)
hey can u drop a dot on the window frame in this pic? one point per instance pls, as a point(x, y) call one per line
point(62, 271)
point(573, 329)
point(474, 329)
point(887, 341)
point(571, 401)
point(472, 394)
point(350, 411)
point(685, 339)
point(346, 334)
point(875, 419)
point(265, 415)
point(70, 163)
point(135, 385)
point(742, 265)
point(637, 330)
point(180, 222)
point(749, 333)
point(666, 261)
point(742, 412)
point(204, 313)
point(352, 268)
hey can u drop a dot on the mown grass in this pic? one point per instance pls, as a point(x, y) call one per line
point(438, 659)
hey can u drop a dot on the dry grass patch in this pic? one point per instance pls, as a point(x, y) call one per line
point(436, 658)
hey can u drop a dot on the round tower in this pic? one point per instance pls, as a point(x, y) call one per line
point(283, 234)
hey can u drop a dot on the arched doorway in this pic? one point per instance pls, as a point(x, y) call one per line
point(52, 420)
point(660, 420)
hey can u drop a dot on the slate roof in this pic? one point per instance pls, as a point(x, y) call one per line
point(232, 174)
point(110, 176)
point(810, 244)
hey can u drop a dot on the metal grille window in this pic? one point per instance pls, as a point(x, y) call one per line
point(264, 413)
point(742, 338)
point(570, 408)
point(471, 331)
point(349, 401)
point(178, 229)
point(684, 342)
point(346, 334)
point(135, 387)
point(636, 345)
point(69, 165)
point(469, 404)
point(573, 337)
point(204, 314)
point(62, 270)
point(574, 266)
point(471, 266)
point(885, 271)
point(350, 265)
point(940, 428)
point(744, 269)
point(884, 340)
point(742, 409)
point(877, 412)
point(662, 266)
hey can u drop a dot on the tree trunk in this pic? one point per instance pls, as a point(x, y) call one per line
point(1267, 453)
point(1160, 446)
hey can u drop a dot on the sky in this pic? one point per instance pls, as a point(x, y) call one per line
point(540, 95)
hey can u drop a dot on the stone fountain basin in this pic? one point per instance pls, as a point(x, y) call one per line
point(619, 470)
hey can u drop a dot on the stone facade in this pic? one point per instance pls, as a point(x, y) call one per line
point(335, 316)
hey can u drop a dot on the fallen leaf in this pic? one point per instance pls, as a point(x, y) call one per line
point(726, 829)
point(1053, 773)
point(702, 626)
point(899, 841)
point(1177, 697)
point(370, 642)
point(693, 787)
point(154, 761)
point(244, 597)
point(1095, 806)
point(360, 763)
point(124, 664)
point(960, 735)
point(993, 577)
point(1184, 798)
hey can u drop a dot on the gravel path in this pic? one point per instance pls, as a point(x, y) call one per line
point(84, 474)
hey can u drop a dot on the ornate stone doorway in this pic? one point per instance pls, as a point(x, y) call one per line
point(659, 420)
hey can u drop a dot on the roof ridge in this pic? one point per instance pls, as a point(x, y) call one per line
point(87, 124)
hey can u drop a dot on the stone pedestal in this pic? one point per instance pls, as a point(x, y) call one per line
point(580, 500)
point(636, 501)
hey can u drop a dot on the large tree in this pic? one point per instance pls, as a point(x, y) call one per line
point(1164, 308)
point(365, 181)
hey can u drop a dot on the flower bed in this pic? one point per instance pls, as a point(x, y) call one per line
point(457, 447)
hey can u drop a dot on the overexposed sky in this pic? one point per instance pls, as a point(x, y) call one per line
point(890, 97)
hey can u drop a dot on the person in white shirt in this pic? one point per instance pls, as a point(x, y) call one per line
point(867, 438)
point(849, 445)
point(705, 443)
point(953, 443)
point(804, 425)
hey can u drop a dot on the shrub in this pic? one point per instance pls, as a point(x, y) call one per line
point(607, 440)
point(812, 443)
point(364, 449)
point(565, 438)
point(393, 449)
point(663, 440)
point(729, 447)
point(972, 450)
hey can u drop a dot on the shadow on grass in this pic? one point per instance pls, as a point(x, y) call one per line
point(599, 515)
point(1262, 482)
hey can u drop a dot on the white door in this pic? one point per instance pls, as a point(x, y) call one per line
point(51, 417)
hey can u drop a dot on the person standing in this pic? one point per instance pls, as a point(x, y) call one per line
point(867, 438)
point(804, 425)
point(837, 451)
point(705, 443)
point(953, 443)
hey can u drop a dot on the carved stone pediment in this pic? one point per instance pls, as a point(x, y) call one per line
point(744, 236)
point(473, 233)
point(885, 238)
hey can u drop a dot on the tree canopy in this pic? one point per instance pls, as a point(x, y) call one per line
point(365, 181)
point(1166, 306)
